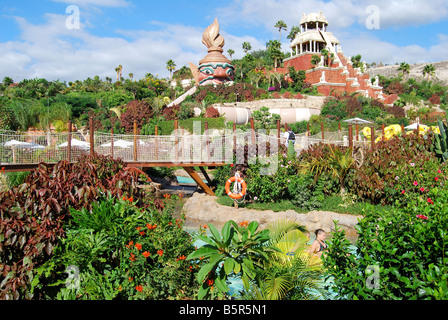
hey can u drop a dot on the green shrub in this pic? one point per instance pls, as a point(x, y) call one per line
point(405, 247)
point(406, 157)
point(303, 194)
point(122, 252)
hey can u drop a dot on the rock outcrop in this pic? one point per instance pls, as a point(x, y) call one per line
point(203, 209)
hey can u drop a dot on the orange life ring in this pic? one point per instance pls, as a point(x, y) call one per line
point(235, 195)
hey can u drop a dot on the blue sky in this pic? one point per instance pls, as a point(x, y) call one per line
point(142, 35)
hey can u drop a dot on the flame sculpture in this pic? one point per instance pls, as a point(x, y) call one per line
point(215, 68)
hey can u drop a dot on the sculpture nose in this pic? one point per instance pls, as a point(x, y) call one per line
point(220, 73)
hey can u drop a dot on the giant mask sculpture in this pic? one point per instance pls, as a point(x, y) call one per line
point(215, 68)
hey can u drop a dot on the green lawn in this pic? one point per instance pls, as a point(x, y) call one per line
point(333, 203)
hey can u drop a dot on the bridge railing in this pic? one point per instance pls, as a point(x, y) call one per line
point(180, 147)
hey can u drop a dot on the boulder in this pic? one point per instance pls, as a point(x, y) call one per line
point(203, 209)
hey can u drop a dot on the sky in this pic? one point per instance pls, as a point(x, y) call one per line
point(70, 40)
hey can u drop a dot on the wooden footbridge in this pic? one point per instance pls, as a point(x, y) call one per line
point(25, 151)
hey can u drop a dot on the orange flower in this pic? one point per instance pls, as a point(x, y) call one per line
point(131, 199)
point(132, 258)
point(138, 246)
point(244, 223)
point(151, 226)
point(181, 195)
point(138, 228)
point(182, 257)
point(130, 279)
point(167, 196)
point(210, 282)
point(139, 288)
point(160, 252)
point(124, 198)
point(146, 254)
point(142, 233)
point(129, 244)
point(119, 288)
point(205, 226)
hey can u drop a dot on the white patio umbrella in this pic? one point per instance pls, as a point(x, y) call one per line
point(15, 144)
point(414, 126)
point(357, 121)
point(24, 145)
point(76, 143)
point(122, 143)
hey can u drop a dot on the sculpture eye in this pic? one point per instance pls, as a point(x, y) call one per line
point(230, 72)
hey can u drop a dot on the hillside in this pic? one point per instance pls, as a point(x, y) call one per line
point(416, 69)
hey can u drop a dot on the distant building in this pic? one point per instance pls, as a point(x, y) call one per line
point(337, 72)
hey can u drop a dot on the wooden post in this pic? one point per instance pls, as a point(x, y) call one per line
point(92, 137)
point(156, 142)
point(112, 142)
point(402, 129)
point(308, 129)
point(357, 131)
point(322, 129)
point(135, 140)
point(69, 142)
point(350, 136)
point(252, 129)
point(372, 137)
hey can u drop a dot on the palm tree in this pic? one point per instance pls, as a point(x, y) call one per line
point(231, 52)
point(274, 50)
point(290, 273)
point(337, 162)
point(281, 25)
point(356, 60)
point(131, 76)
point(404, 67)
point(292, 34)
point(429, 70)
point(246, 47)
point(118, 70)
point(326, 54)
point(315, 59)
point(170, 66)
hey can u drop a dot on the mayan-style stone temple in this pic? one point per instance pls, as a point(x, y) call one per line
point(214, 68)
point(334, 72)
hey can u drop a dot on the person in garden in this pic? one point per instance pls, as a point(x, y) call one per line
point(319, 245)
point(289, 136)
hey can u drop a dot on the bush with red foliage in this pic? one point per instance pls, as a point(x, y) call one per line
point(136, 110)
point(170, 113)
point(287, 95)
point(394, 87)
point(211, 112)
point(435, 99)
point(33, 214)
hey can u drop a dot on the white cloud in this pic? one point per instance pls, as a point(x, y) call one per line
point(340, 13)
point(373, 49)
